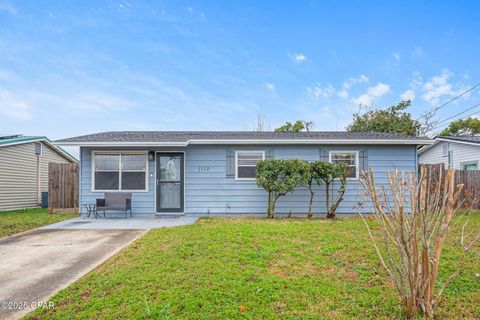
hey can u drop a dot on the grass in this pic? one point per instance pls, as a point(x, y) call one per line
point(12, 222)
point(254, 269)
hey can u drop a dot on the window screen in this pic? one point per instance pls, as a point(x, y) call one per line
point(445, 149)
point(350, 159)
point(134, 167)
point(470, 166)
point(247, 162)
point(107, 168)
point(120, 172)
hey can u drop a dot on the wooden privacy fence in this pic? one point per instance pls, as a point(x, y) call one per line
point(470, 196)
point(62, 187)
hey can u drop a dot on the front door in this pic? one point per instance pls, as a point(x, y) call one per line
point(170, 182)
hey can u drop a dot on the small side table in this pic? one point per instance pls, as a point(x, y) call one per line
point(91, 209)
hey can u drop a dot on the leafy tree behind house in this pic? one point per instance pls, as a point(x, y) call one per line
point(391, 120)
point(298, 126)
point(469, 126)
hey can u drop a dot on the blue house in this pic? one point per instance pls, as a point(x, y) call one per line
point(213, 172)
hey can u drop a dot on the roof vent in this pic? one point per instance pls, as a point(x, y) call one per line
point(38, 148)
point(445, 149)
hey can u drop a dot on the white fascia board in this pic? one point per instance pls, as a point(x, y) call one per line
point(426, 147)
point(47, 142)
point(21, 142)
point(437, 140)
point(458, 141)
point(123, 144)
point(246, 142)
point(311, 141)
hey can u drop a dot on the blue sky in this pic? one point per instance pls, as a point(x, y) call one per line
point(70, 68)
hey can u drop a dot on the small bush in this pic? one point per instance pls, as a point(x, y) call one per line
point(326, 173)
point(278, 177)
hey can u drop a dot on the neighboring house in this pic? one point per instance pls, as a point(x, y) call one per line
point(24, 169)
point(459, 152)
point(214, 172)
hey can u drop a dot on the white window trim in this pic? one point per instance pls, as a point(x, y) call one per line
point(445, 147)
point(466, 163)
point(262, 152)
point(357, 161)
point(119, 153)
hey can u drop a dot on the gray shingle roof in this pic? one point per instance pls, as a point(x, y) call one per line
point(472, 139)
point(186, 136)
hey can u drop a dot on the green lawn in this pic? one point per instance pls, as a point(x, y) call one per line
point(253, 269)
point(12, 222)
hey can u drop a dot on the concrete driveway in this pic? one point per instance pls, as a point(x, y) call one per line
point(35, 265)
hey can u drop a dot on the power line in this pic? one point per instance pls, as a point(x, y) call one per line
point(457, 114)
point(444, 124)
point(449, 101)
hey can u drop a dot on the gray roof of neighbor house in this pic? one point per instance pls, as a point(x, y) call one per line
point(13, 139)
point(471, 140)
point(179, 138)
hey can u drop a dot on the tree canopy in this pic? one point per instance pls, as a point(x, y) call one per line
point(298, 126)
point(281, 176)
point(326, 173)
point(278, 177)
point(391, 120)
point(469, 126)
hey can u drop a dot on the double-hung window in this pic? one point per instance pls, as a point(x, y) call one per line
point(350, 159)
point(246, 163)
point(119, 171)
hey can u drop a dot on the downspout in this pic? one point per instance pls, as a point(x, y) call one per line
point(39, 201)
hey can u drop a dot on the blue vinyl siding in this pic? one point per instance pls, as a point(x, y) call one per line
point(142, 202)
point(211, 192)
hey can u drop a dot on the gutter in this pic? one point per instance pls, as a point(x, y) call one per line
point(247, 142)
point(48, 142)
point(425, 148)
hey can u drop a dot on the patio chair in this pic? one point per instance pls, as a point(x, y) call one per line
point(117, 201)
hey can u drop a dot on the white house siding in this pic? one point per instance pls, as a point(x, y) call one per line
point(461, 153)
point(18, 174)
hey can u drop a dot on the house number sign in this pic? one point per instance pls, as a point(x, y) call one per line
point(203, 168)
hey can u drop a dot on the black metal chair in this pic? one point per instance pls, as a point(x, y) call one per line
point(117, 201)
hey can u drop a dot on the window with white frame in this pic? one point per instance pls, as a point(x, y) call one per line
point(469, 166)
point(246, 163)
point(349, 158)
point(119, 172)
point(445, 149)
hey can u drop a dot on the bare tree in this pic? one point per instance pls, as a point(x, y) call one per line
point(427, 124)
point(261, 123)
point(414, 218)
point(308, 125)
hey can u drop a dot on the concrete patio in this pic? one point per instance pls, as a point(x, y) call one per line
point(135, 223)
